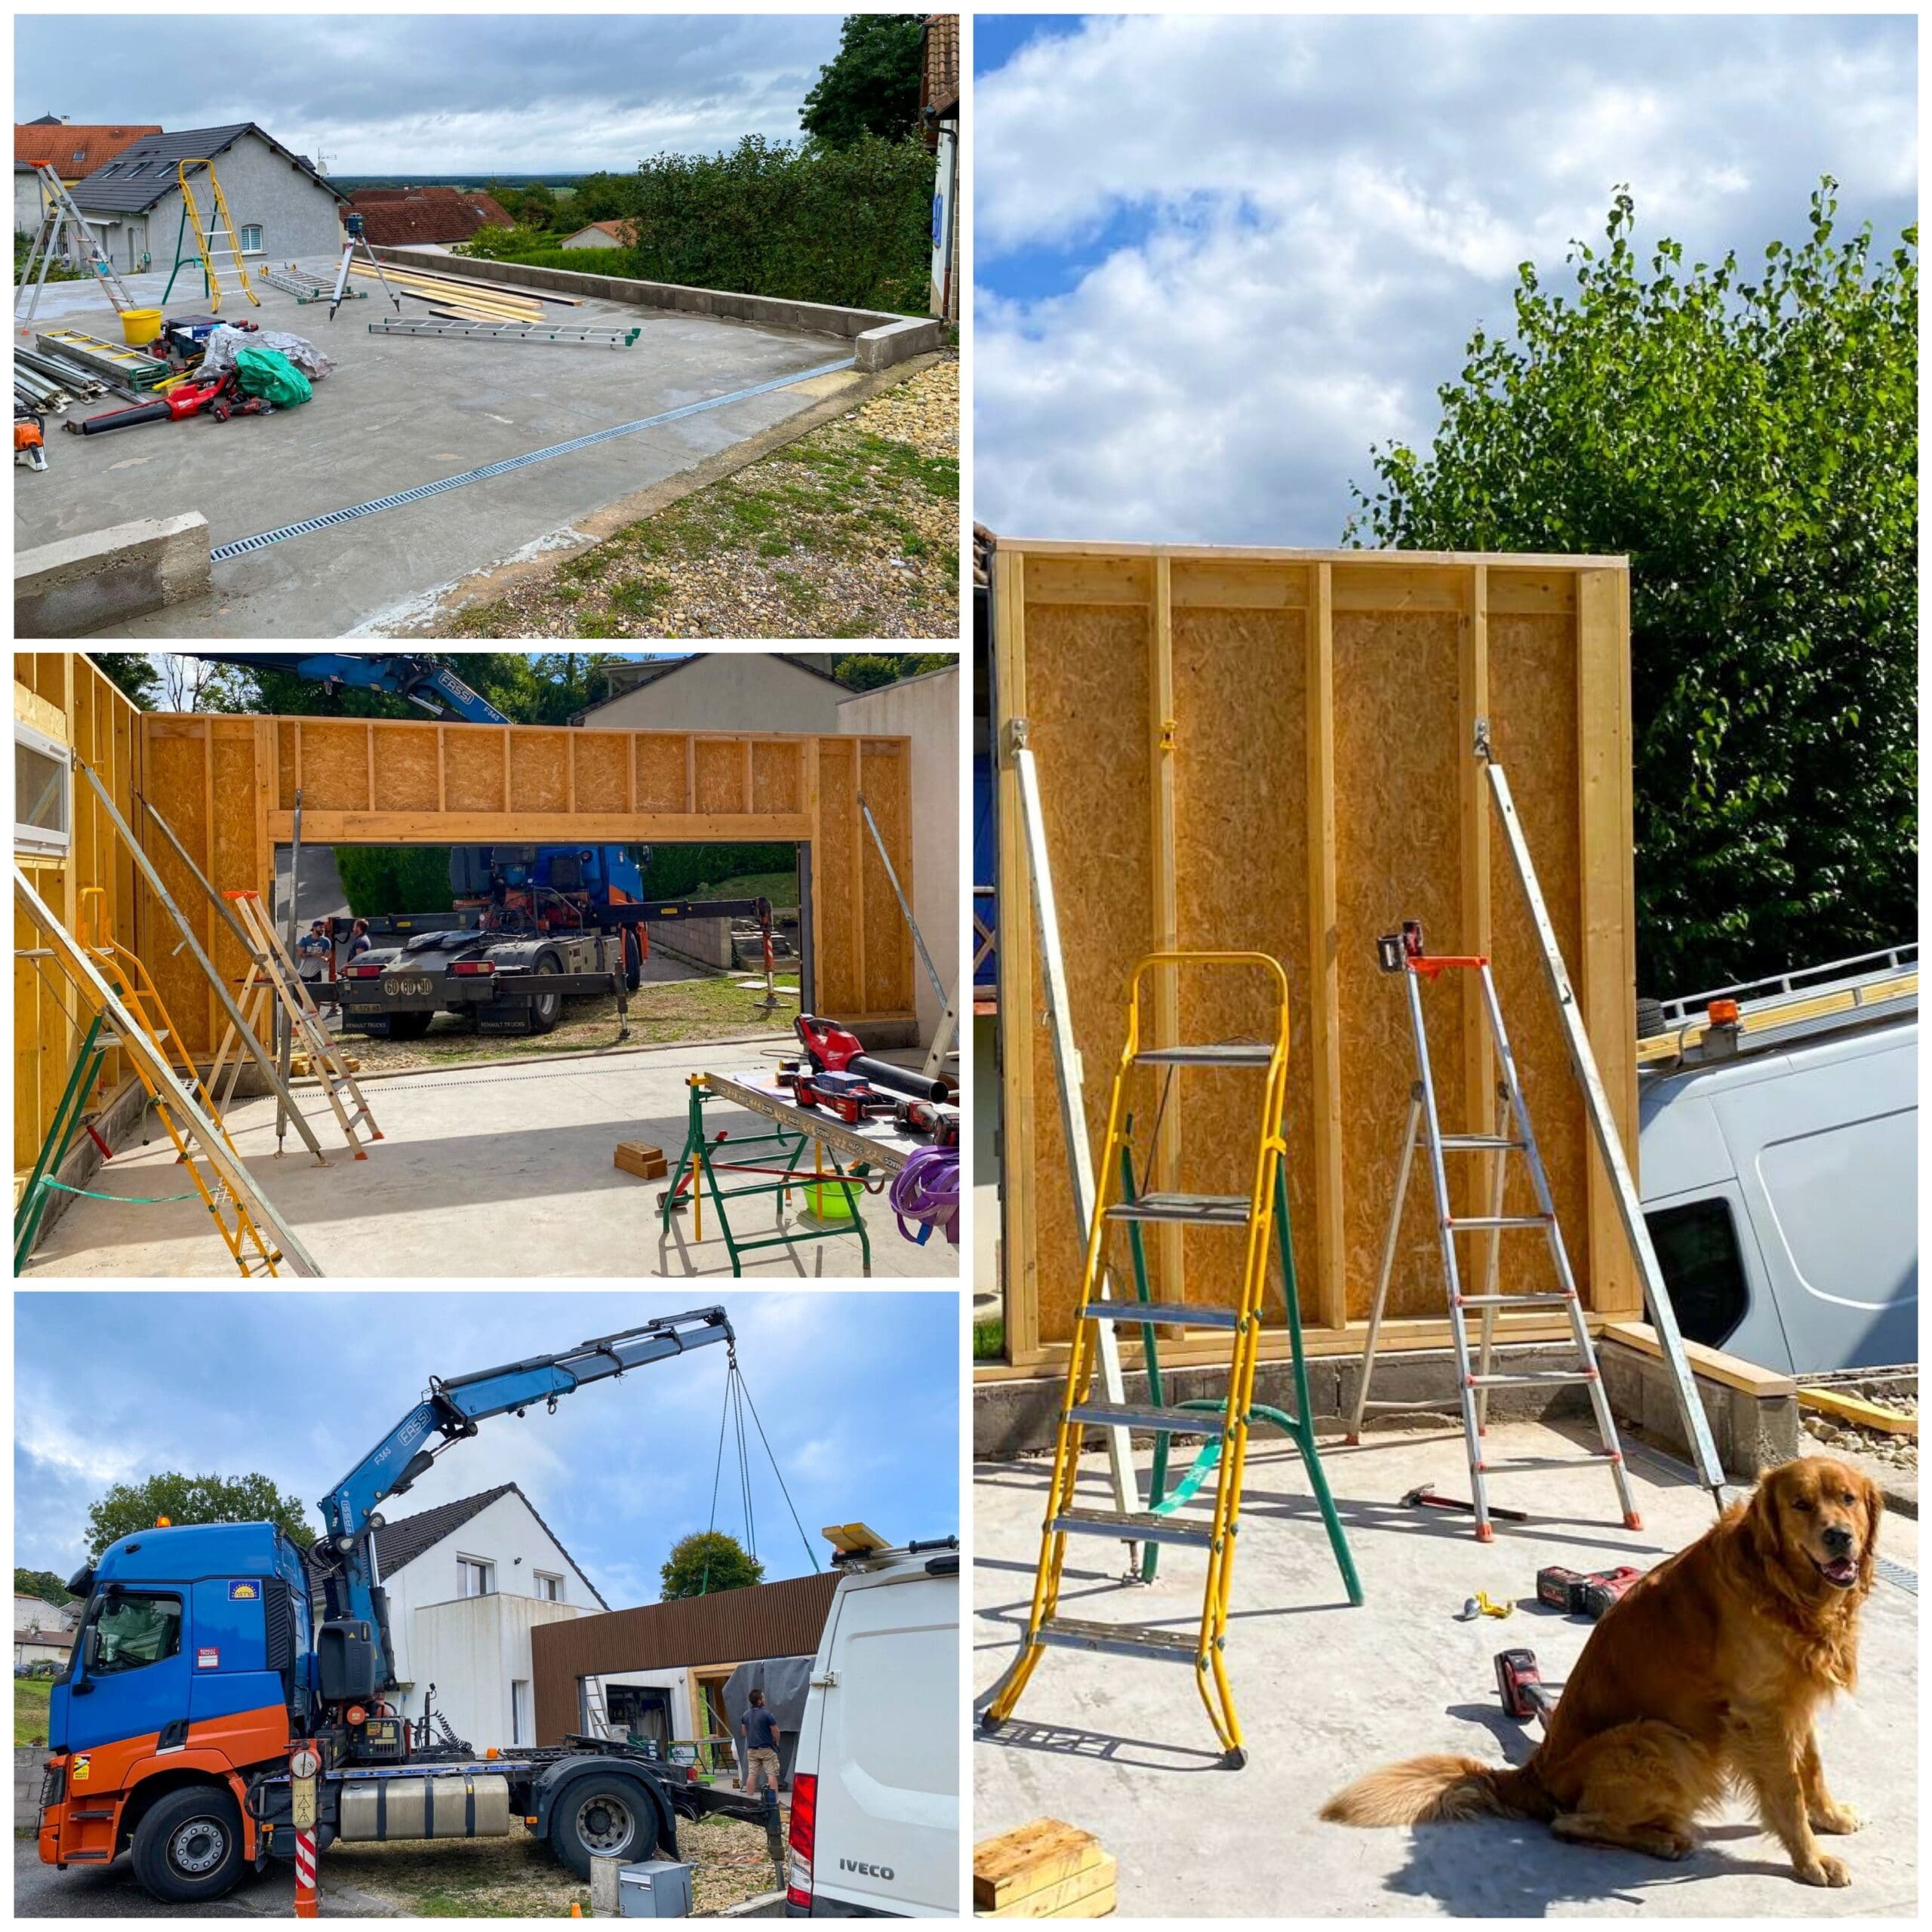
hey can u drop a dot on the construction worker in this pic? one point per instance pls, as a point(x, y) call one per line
point(759, 1729)
point(316, 954)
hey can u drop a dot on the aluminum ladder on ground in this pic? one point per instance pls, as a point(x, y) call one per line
point(114, 986)
point(582, 335)
point(273, 981)
point(1254, 1215)
point(208, 247)
point(58, 211)
point(306, 287)
point(1403, 953)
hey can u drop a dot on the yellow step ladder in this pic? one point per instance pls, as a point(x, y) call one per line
point(209, 246)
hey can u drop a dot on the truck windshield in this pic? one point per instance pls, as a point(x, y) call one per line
point(135, 1631)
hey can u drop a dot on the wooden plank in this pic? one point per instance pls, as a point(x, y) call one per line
point(1331, 1269)
point(1861, 1413)
point(1092, 1894)
point(1098, 580)
point(530, 828)
point(1711, 1363)
point(1170, 1251)
point(1478, 1098)
point(1394, 560)
point(1029, 1858)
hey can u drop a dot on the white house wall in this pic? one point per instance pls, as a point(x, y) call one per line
point(727, 691)
point(473, 1650)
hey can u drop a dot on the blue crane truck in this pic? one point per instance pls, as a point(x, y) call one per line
point(532, 926)
point(207, 1656)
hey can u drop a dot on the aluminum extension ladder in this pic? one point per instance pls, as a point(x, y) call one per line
point(1402, 953)
point(208, 247)
point(58, 211)
point(1258, 1215)
point(273, 981)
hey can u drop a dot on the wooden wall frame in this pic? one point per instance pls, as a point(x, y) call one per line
point(1271, 749)
point(227, 786)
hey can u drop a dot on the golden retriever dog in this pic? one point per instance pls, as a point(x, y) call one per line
point(1704, 1679)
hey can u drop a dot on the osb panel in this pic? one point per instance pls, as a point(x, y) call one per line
point(661, 773)
point(540, 772)
point(1533, 688)
point(285, 729)
point(885, 779)
point(1397, 856)
point(473, 772)
point(335, 766)
point(835, 877)
point(176, 782)
point(777, 784)
point(406, 762)
point(1240, 854)
point(602, 784)
point(1088, 694)
point(720, 776)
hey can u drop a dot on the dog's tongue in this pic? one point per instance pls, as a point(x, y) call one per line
point(1843, 1570)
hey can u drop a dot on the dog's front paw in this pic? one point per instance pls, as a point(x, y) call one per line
point(1836, 1820)
point(1824, 1870)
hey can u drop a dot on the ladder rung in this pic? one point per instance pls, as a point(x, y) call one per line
point(1459, 1222)
point(1478, 1143)
point(1535, 1378)
point(1232, 1053)
point(1207, 1210)
point(1488, 1469)
point(1179, 1313)
point(1118, 1640)
point(1140, 1526)
point(1555, 1300)
point(1162, 1422)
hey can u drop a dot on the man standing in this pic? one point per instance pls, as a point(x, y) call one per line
point(315, 955)
point(759, 1729)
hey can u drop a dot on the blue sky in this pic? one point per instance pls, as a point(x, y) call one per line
point(858, 1391)
point(1217, 259)
point(533, 92)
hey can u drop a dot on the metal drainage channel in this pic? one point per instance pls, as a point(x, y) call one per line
point(246, 546)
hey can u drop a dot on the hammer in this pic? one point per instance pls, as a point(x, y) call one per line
point(1423, 1496)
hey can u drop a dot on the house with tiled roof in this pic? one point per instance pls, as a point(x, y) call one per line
point(603, 234)
point(467, 1582)
point(415, 217)
point(283, 211)
point(74, 152)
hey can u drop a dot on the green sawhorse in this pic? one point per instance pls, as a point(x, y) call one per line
point(68, 1118)
point(700, 1165)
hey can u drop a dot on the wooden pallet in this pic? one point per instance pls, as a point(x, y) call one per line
point(1046, 1869)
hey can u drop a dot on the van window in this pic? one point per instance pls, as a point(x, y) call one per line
point(136, 1631)
point(1697, 1246)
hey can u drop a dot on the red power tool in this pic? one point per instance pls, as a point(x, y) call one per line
point(185, 400)
point(831, 1049)
point(929, 1117)
point(1584, 1593)
point(844, 1094)
point(1520, 1684)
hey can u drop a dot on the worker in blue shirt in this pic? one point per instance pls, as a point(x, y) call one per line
point(759, 1729)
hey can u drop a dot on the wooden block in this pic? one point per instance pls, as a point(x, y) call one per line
point(1030, 1858)
point(638, 1158)
point(1088, 1894)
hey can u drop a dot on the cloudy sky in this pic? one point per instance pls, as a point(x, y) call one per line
point(859, 1393)
point(417, 94)
point(1217, 259)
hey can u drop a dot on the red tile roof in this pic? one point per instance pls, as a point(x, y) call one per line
point(75, 151)
point(622, 234)
point(435, 214)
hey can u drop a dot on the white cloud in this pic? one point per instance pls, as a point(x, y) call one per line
point(1220, 258)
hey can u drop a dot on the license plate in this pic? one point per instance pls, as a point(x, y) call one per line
point(396, 986)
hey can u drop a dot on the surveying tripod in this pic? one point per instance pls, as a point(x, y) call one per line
point(353, 238)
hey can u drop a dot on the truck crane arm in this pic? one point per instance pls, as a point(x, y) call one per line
point(436, 689)
point(450, 1410)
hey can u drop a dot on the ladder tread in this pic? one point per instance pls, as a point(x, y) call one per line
point(1467, 1143)
point(1076, 1633)
point(1160, 1421)
point(1488, 1467)
point(1179, 1313)
point(1535, 1378)
point(1460, 1221)
point(1228, 1053)
point(1141, 1525)
point(1551, 1298)
point(1211, 1210)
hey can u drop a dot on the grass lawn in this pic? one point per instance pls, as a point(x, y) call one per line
point(989, 1339)
point(781, 888)
point(853, 531)
point(30, 1709)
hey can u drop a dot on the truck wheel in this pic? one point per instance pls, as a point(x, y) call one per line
point(600, 1814)
point(409, 1025)
point(188, 1847)
point(633, 960)
point(545, 1009)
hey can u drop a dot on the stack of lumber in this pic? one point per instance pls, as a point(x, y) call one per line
point(1047, 1869)
point(640, 1157)
point(459, 299)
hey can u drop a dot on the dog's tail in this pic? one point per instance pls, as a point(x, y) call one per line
point(1436, 1789)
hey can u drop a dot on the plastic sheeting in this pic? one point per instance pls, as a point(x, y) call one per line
point(223, 342)
point(787, 1682)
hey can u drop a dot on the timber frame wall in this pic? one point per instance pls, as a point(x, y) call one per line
point(227, 786)
point(61, 695)
point(1270, 750)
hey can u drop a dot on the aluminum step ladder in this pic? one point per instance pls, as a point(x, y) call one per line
point(273, 981)
point(1403, 953)
point(58, 212)
point(1259, 1216)
point(209, 248)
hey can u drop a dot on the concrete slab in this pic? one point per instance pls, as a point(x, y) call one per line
point(1327, 1691)
point(487, 1173)
point(397, 413)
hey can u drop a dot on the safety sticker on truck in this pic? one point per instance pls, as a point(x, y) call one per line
point(78, 1770)
point(244, 1592)
point(207, 1658)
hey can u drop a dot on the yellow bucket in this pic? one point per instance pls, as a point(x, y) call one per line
point(140, 326)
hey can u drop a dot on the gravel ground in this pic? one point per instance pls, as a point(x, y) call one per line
point(1825, 1434)
point(851, 531)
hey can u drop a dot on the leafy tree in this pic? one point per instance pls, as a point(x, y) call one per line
point(540, 688)
point(1751, 443)
point(129, 1508)
point(866, 671)
point(132, 672)
point(676, 872)
point(41, 1583)
point(871, 85)
point(706, 1561)
point(601, 197)
point(395, 878)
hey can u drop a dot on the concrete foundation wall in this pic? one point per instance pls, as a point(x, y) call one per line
point(708, 942)
point(879, 340)
point(30, 1761)
point(925, 709)
point(81, 584)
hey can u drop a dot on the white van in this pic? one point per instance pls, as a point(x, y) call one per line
point(875, 1784)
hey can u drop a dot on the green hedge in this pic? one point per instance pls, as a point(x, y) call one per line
point(677, 871)
point(413, 878)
